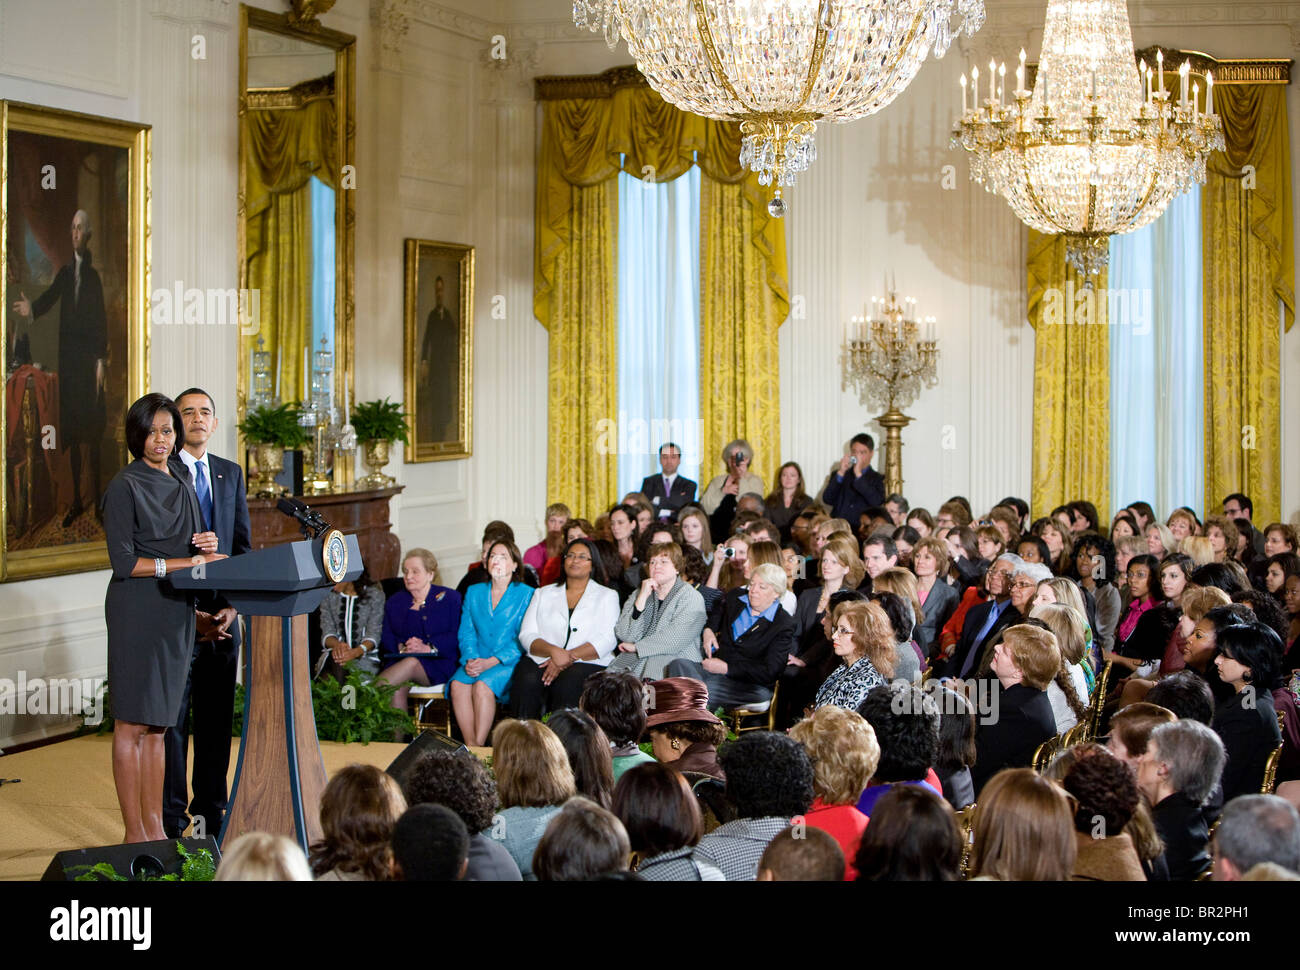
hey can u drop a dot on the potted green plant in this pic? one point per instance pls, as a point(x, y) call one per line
point(271, 431)
point(378, 423)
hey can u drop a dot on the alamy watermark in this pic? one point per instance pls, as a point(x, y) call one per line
point(1079, 306)
point(642, 436)
point(69, 696)
point(211, 307)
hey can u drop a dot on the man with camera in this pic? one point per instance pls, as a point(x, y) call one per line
point(855, 486)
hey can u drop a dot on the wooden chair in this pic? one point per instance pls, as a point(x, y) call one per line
point(1045, 752)
point(424, 699)
point(1098, 703)
point(761, 712)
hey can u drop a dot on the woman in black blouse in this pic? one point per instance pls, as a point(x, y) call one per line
point(1248, 662)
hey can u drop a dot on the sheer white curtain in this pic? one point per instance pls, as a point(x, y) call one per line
point(658, 324)
point(1157, 374)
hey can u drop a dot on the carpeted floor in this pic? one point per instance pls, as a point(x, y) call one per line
point(64, 798)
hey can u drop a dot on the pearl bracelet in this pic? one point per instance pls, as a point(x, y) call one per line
point(159, 568)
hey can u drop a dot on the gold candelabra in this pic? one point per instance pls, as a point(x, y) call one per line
point(887, 359)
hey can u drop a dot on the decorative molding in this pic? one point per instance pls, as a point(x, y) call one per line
point(393, 23)
point(306, 14)
point(508, 78)
point(317, 89)
point(215, 12)
point(603, 85)
point(1229, 70)
point(455, 21)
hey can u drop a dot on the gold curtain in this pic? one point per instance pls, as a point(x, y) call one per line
point(585, 142)
point(1071, 381)
point(285, 148)
point(1248, 269)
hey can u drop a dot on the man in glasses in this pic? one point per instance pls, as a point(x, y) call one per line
point(986, 619)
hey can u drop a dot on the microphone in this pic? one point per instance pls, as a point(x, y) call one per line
point(312, 524)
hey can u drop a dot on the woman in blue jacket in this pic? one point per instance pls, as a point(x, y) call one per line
point(489, 642)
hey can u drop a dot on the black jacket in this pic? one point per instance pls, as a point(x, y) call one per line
point(1024, 721)
point(853, 494)
point(1249, 735)
point(760, 655)
point(1181, 827)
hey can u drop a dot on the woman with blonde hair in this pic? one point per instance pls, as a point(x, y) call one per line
point(844, 752)
point(1058, 589)
point(737, 456)
point(1024, 829)
point(534, 780)
point(902, 583)
point(1160, 541)
point(263, 857)
point(863, 639)
point(1197, 548)
point(1182, 523)
point(1068, 691)
point(358, 810)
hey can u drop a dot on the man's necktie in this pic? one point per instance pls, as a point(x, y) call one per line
point(204, 492)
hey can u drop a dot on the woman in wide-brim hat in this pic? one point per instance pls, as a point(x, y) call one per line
point(683, 732)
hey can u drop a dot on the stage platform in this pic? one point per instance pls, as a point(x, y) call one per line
point(64, 797)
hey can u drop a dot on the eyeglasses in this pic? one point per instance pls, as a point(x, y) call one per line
point(577, 557)
point(1025, 585)
point(843, 631)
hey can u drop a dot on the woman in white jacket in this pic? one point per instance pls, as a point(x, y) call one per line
point(567, 633)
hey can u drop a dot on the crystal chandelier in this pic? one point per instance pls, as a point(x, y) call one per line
point(1097, 148)
point(780, 66)
point(884, 355)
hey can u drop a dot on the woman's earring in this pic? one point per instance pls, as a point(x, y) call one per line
point(675, 744)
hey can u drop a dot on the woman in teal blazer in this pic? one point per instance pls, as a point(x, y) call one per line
point(489, 642)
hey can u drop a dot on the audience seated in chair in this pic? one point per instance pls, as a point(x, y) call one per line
point(905, 720)
point(421, 622)
point(358, 810)
point(582, 842)
point(801, 855)
point(1178, 773)
point(616, 700)
point(913, 837)
point(534, 780)
point(1024, 829)
point(683, 732)
point(662, 818)
point(430, 844)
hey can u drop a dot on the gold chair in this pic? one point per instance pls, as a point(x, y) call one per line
point(1045, 752)
point(1098, 702)
point(966, 822)
point(764, 710)
point(1077, 734)
point(1270, 772)
point(421, 700)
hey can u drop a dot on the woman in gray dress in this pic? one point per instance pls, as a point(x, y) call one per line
point(152, 521)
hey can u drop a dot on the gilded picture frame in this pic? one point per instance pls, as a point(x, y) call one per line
point(74, 312)
point(439, 359)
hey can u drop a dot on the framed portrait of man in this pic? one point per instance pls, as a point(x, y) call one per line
point(439, 349)
point(73, 316)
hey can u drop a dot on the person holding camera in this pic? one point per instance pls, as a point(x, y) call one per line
point(738, 455)
point(855, 486)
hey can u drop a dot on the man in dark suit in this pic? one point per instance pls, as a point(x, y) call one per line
point(984, 620)
point(855, 486)
point(669, 491)
point(83, 357)
point(1024, 662)
point(219, 485)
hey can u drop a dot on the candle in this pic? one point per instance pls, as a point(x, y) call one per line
point(993, 80)
point(1002, 76)
point(1042, 76)
point(975, 86)
point(1146, 76)
point(1094, 83)
point(1196, 97)
point(1209, 94)
point(1020, 75)
point(963, 94)
point(1160, 68)
point(1182, 83)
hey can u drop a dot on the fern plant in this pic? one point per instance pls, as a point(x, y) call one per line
point(274, 426)
point(380, 421)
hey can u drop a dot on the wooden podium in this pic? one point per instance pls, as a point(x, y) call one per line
point(279, 776)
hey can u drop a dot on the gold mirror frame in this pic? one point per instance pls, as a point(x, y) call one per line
point(345, 54)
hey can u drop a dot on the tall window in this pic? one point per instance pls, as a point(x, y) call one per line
point(658, 324)
point(1156, 361)
point(322, 258)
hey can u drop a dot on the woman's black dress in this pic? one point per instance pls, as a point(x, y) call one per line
point(150, 625)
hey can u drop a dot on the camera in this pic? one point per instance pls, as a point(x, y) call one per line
point(737, 457)
point(853, 459)
point(728, 552)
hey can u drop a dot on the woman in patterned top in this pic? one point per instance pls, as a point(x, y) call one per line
point(863, 638)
